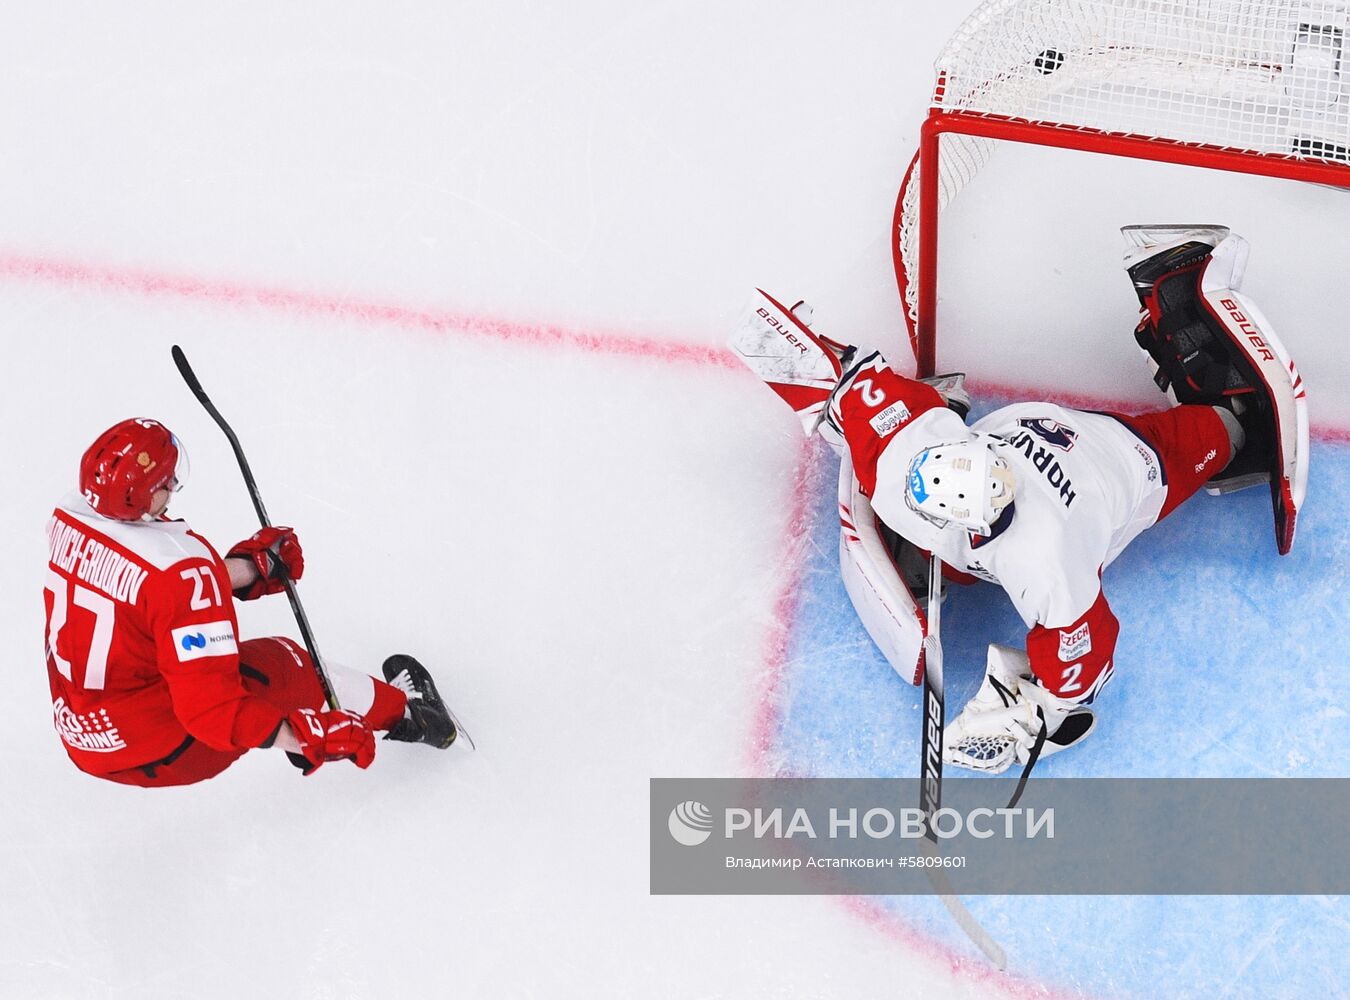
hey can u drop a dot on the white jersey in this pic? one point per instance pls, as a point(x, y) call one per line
point(1086, 486)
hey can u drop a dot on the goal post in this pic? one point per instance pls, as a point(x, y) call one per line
point(1248, 86)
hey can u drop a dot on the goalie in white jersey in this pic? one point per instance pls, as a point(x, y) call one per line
point(1040, 498)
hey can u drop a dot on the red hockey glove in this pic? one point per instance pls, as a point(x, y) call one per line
point(331, 735)
point(275, 553)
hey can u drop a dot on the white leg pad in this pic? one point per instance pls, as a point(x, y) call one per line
point(881, 599)
point(1252, 333)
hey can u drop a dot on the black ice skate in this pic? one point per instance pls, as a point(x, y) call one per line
point(427, 719)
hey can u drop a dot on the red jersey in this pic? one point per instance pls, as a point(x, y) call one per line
point(141, 642)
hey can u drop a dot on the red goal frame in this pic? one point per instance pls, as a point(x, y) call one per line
point(923, 331)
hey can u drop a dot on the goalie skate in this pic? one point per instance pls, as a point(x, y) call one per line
point(1211, 345)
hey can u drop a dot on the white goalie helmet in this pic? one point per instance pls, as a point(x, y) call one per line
point(960, 482)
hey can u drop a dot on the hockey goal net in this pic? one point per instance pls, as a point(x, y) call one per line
point(1256, 86)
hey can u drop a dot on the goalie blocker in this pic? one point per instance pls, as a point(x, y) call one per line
point(1210, 344)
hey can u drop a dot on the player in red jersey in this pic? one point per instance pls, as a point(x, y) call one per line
point(149, 683)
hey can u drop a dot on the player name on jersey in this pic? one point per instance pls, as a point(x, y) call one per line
point(94, 563)
point(1043, 458)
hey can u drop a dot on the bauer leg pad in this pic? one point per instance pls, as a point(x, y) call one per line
point(880, 586)
point(1212, 345)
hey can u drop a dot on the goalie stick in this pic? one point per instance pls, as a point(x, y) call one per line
point(930, 770)
point(301, 619)
point(804, 369)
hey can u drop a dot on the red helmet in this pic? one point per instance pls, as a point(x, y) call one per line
point(128, 464)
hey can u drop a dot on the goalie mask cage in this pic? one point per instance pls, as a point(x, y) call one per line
point(1254, 86)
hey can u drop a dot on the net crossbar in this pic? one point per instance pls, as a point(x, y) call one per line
point(1258, 86)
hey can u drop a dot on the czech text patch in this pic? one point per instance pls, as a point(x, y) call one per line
point(1076, 644)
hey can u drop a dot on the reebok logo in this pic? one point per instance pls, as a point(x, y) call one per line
point(1211, 456)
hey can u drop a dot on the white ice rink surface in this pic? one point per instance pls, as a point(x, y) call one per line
point(585, 545)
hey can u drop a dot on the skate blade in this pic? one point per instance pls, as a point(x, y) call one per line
point(460, 733)
point(1220, 487)
point(1146, 237)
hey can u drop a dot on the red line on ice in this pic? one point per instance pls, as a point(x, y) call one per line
point(970, 967)
point(156, 284)
point(797, 530)
point(764, 732)
point(240, 294)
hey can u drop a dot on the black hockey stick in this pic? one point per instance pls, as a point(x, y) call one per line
point(301, 619)
point(930, 769)
point(1034, 756)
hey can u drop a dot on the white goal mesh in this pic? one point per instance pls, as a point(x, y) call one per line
point(1267, 78)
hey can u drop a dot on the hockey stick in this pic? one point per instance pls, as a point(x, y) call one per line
point(1034, 756)
point(301, 619)
point(930, 770)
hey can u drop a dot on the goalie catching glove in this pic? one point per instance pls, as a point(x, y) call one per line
point(1012, 718)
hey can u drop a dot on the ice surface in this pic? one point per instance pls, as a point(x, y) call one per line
point(452, 270)
point(1227, 666)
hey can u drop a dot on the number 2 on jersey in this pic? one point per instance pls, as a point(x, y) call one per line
point(871, 395)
